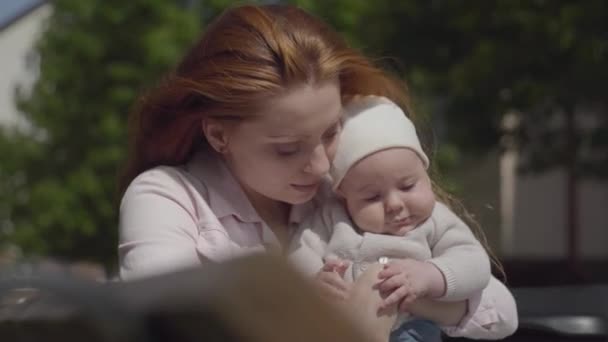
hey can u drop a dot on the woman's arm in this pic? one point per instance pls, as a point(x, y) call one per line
point(364, 302)
point(492, 314)
point(157, 229)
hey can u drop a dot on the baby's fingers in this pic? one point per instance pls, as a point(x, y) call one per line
point(406, 300)
point(395, 297)
point(391, 283)
point(388, 272)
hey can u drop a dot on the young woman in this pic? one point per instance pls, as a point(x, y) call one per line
point(232, 149)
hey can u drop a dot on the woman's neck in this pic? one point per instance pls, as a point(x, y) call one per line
point(274, 213)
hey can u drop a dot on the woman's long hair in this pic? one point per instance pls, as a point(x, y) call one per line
point(247, 55)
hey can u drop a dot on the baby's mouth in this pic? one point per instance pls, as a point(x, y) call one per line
point(402, 221)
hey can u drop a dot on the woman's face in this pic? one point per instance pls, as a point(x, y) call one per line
point(283, 154)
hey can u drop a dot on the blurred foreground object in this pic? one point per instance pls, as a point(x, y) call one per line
point(252, 299)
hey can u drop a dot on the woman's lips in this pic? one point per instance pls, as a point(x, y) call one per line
point(305, 187)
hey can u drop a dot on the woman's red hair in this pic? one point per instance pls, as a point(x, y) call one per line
point(248, 55)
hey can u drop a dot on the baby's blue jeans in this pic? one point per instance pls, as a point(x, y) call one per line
point(417, 330)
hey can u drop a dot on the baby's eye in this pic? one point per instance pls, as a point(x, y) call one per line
point(407, 187)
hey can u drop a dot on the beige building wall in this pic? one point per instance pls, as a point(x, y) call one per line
point(594, 219)
point(524, 216)
point(538, 227)
point(16, 44)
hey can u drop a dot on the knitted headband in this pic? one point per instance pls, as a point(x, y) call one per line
point(372, 124)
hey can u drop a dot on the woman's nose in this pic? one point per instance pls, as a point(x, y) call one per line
point(318, 164)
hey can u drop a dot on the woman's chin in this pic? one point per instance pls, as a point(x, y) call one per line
point(299, 194)
point(300, 197)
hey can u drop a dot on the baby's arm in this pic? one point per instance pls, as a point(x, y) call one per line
point(309, 244)
point(308, 253)
point(459, 256)
point(307, 248)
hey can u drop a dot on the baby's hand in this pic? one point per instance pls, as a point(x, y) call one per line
point(330, 279)
point(406, 280)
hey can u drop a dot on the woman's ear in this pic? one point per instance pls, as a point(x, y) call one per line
point(216, 133)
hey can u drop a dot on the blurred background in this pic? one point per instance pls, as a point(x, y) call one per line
point(514, 94)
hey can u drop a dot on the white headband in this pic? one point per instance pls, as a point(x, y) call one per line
point(372, 124)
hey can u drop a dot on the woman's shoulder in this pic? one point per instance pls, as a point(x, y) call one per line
point(166, 183)
point(162, 178)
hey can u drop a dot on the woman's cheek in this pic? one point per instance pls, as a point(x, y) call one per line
point(331, 150)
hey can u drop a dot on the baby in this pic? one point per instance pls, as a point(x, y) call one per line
point(386, 211)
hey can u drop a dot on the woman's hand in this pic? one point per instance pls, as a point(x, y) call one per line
point(404, 281)
point(364, 306)
point(330, 280)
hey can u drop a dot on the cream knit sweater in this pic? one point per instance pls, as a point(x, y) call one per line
point(443, 239)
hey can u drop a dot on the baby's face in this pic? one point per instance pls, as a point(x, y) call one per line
point(388, 192)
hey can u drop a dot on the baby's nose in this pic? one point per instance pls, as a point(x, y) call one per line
point(394, 204)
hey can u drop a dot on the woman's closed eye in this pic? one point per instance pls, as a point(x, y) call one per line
point(407, 187)
point(287, 149)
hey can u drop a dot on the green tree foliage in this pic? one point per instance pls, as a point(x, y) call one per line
point(472, 61)
point(58, 182)
point(482, 59)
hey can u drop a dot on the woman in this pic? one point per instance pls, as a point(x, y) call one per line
point(232, 149)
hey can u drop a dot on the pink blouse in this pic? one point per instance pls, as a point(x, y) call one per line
point(176, 217)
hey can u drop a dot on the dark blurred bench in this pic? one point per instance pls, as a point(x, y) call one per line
point(561, 313)
point(259, 300)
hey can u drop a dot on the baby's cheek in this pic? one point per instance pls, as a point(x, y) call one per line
point(370, 219)
point(429, 202)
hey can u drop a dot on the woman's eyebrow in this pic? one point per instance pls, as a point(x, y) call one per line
point(286, 136)
point(407, 178)
point(365, 187)
point(333, 125)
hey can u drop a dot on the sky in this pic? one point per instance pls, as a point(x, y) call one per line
point(11, 8)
